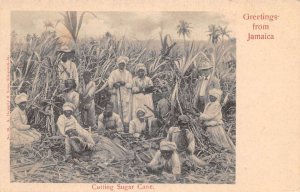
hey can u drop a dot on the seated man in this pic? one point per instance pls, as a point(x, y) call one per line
point(109, 122)
point(185, 142)
point(139, 126)
point(21, 132)
point(77, 139)
point(166, 159)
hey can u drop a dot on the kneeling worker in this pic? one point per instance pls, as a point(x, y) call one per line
point(77, 139)
point(166, 159)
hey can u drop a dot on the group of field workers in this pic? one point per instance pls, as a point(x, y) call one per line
point(130, 111)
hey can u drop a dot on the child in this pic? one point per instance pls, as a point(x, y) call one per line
point(139, 126)
point(212, 119)
point(88, 103)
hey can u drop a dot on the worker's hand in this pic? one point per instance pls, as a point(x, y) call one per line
point(116, 85)
point(122, 83)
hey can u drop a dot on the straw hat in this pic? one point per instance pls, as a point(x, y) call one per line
point(205, 65)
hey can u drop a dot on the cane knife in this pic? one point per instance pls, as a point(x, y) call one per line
point(121, 105)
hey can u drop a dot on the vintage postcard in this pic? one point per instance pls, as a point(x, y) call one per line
point(132, 96)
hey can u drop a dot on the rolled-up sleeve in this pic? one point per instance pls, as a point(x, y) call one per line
point(61, 125)
point(211, 112)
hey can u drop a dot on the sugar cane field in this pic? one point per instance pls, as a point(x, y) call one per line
point(171, 61)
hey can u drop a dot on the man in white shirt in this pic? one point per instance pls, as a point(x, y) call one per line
point(66, 68)
point(205, 82)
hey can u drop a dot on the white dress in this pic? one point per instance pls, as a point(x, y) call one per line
point(139, 100)
point(21, 133)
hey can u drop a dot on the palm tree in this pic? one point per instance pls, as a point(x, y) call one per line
point(224, 32)
point(214, 34)
point(73, 23)
point(48, 24)
point(184, 29)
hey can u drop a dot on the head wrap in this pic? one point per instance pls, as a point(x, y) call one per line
point(205, 65)
point(140, 109)
point(65, 49)
point(122, 59)
point(68, 107)
point(140, 66)
point(167, 146)
point(183, 119)
point(216, 93)
point(21, 98)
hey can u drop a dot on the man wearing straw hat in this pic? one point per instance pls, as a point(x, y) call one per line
point(206, 82)
point(77, 139)
point(120, 84)
point(21, 132)
point(66, 68)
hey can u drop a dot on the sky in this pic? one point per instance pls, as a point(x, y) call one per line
point(134, 25)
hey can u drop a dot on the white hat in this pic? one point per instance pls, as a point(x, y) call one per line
point(65, 49)
point(140, 109)
point(21, 98)
point(68, 107)
point(140, 66)
point(122, 59)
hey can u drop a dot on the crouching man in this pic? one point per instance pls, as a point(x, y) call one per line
point(185, 142)
point(166, 160)
point(77, 139)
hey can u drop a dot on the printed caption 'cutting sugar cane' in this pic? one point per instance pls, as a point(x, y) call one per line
point(261, 26)
point(122, 187)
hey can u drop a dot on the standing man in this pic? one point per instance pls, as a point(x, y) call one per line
point(66, 68)
point(205, 82)
point(120, 84)
point(87, 101)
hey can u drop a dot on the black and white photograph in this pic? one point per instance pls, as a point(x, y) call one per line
point(122, 97)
